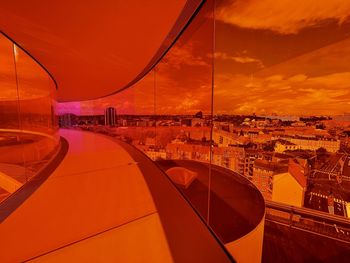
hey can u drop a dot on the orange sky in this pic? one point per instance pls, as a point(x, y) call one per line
point(284, 57)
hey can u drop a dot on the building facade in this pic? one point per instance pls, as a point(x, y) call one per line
point(110, 116)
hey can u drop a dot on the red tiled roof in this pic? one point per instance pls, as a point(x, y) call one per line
point(297, 171)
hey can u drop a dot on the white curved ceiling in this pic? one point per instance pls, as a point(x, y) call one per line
point(91, 48)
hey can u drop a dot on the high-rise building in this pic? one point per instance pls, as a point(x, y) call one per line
point(110, 116)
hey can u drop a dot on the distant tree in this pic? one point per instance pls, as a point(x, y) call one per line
point(268, 147)
point(321, 151)
point(199, 115)
point(321, 154)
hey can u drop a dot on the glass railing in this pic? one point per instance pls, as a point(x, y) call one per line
point(247, 88)
point(319, 223)
point(28, 124)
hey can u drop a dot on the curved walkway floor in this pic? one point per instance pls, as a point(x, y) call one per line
point(98, 207)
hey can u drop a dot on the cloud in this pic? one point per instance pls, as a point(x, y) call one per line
point(298, 78)
point(298, 94)
point(276, 77)
point(187, 104)
point(239, 59)
point(184, 55)
point(283, 16)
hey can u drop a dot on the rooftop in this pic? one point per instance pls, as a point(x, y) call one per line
point(274, 167)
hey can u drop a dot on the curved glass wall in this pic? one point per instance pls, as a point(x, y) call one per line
point(28, 126)
point(253, 94)
point(168, 116)
point(183, 93)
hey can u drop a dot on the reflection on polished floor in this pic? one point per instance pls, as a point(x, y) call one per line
point(97, 206)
